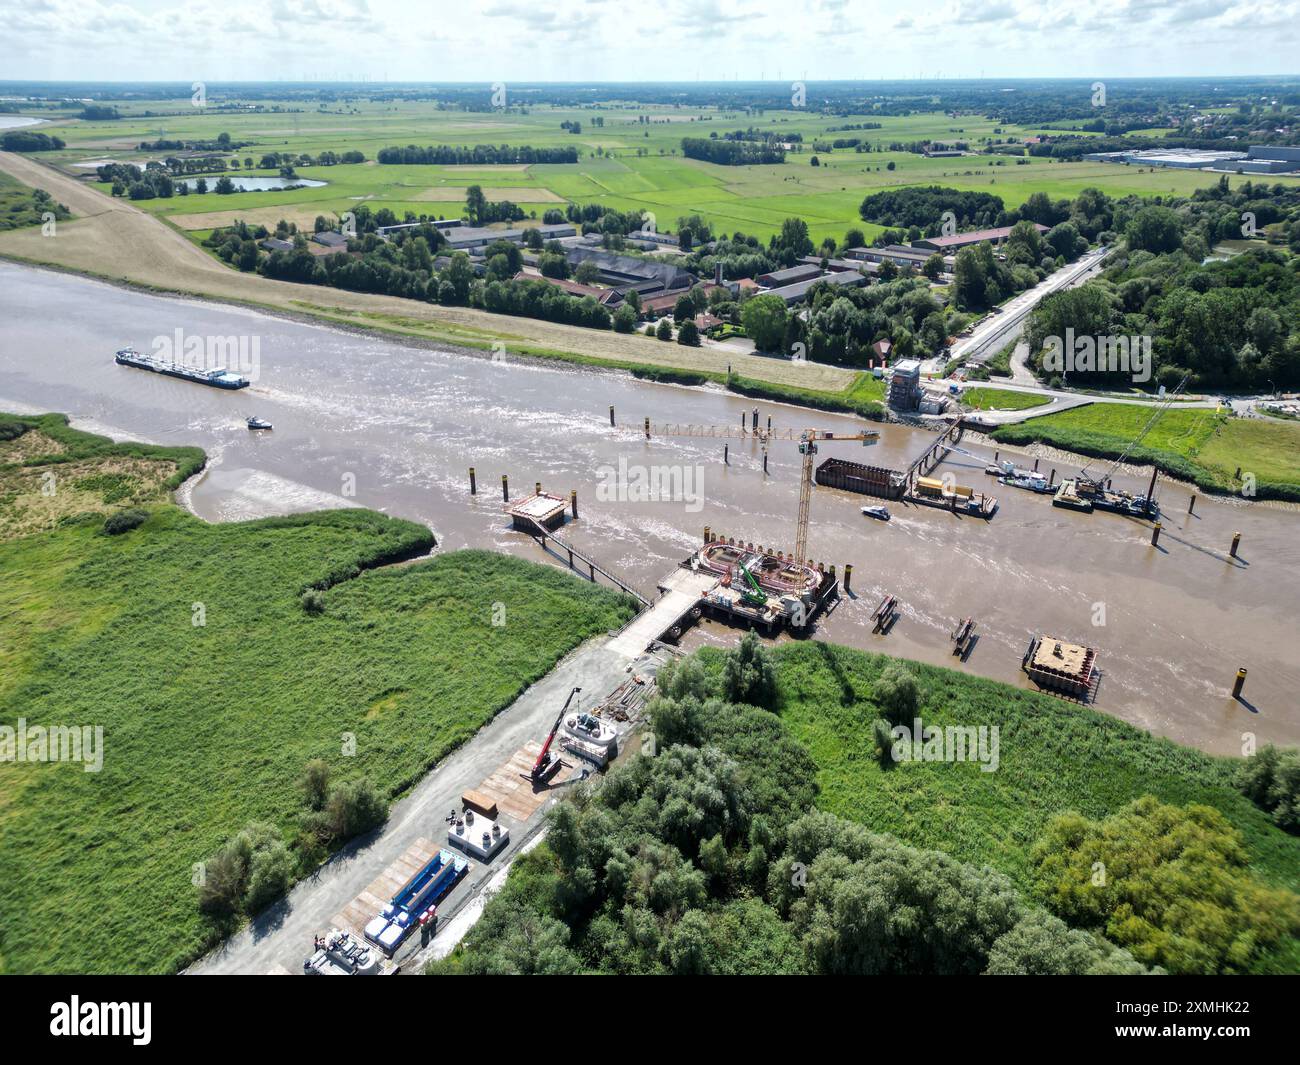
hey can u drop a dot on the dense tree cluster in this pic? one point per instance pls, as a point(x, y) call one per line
point(1231, 324)
point(1169, 883)
point(24, 140)
point(488, 154)
point(843, 323)
point(1271, 779)
point(732, 152)
point(703, 856)
point(924, 207)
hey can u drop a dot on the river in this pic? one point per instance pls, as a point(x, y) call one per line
point(371, 422)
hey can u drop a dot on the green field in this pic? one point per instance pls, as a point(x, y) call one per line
point(208, 726)
point(752, 199)
point(1001, 399)
point(1199, 445)
point(1053, 756)
point(19, 206)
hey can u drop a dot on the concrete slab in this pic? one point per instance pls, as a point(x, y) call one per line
point(684, 588)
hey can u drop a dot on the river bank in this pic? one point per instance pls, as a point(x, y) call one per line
point(361, 421)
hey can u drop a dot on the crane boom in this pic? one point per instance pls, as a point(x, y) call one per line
point(543, 762)
point(807, 448)
point(1156, 414)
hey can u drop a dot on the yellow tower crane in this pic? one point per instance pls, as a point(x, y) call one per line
point(807, 439)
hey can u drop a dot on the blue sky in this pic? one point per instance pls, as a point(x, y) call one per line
point(616, 40)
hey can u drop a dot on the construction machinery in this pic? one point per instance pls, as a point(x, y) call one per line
point(546, 765)
point(807, 439)
point(1095, 490)
point(753, 595)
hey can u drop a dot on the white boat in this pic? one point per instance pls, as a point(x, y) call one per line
point(259, 423)
point(876, 512)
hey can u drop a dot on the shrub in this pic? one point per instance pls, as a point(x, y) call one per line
point(352, 807)
point(664, 330)
point(688, 334)
point(269, 872)
point(884, 741)
point(316, 782)
point(896, 693)
point(1271, 780)
point(247, 872)
point(1169, 883)
point(313, 601)
point(12, 430)
point(124, 521)
point(748, 675)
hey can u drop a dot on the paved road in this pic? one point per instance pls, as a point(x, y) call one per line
point(281, 938)
point(997, 329)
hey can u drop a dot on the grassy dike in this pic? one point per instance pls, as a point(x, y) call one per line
point(189, 644)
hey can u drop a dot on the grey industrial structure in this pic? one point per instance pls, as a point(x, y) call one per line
point(1257, 159)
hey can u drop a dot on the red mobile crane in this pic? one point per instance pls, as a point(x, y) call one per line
point(545, 766)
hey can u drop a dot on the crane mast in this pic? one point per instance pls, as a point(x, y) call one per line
point(807, 448)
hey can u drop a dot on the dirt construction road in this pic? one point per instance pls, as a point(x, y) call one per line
point(110, 238)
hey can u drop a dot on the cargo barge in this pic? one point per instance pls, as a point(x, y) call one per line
point(218, 378)
point(884, 483)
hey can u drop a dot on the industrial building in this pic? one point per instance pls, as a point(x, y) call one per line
point(1257, 159)
point(798, 291)
point(905, 385)
point(957, 241)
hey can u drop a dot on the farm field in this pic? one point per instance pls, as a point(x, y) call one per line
point(208, 726)
point(625, 164)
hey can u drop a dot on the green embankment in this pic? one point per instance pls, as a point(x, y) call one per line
point(1053, 756)
point(1002, 399)
point(21, 206)
point(1198, 445)
point(864, 397)
point(189, 645)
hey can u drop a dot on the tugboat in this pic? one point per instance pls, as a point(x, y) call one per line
point(259, 423)
point(876, 512)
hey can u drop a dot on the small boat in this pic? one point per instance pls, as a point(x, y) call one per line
point(877, 512)
point(259, 423)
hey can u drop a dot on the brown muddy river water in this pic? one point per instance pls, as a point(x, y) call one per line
point(367, 422)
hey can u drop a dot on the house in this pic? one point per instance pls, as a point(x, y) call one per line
point(965, 240)
point(274, 244)
point(880, 350)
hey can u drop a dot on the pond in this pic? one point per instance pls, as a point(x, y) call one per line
point(254, 184)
